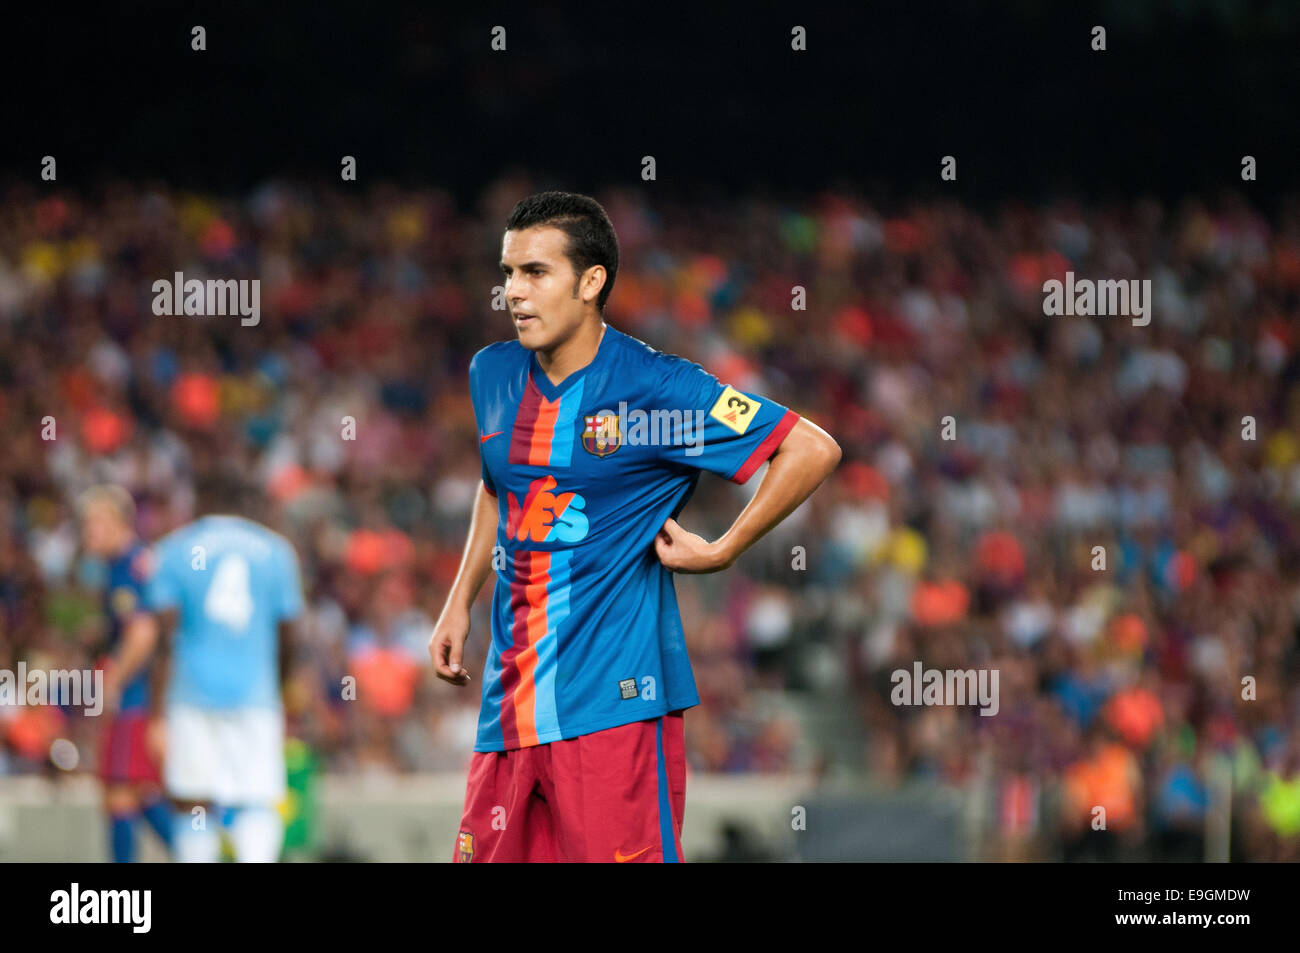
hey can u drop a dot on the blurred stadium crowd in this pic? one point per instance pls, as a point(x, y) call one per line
point(1119, 686)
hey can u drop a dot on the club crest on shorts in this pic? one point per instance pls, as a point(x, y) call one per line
point(465, 846)
point(601, 436)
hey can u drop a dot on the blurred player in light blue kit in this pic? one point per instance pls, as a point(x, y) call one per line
point(231, 587)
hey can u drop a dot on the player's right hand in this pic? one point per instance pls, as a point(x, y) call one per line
point(447, 646)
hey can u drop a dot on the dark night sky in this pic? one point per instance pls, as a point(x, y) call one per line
point(1012, 89)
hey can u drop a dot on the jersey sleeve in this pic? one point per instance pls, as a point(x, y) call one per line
point(138, 572)
point(162, 589)
point(474, 384)
point(291, 601)
point(732, 432)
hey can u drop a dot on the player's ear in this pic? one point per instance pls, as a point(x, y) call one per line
point(593, 280)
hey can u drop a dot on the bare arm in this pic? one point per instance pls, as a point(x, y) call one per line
point(804, 459)
point(285, 636)
point(447, 645)
point(138, 643)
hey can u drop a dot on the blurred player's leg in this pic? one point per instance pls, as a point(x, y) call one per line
point(250, 778)
point(190, 780)
point(131, 786)
point(258, 834)
point(123, 811)
point(119, 800)
point(157, 812)
point(195, 835)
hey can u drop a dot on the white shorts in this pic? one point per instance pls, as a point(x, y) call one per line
point(228, 757)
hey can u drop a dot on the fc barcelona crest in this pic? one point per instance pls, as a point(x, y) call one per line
point(465, 847)
point(601, 435)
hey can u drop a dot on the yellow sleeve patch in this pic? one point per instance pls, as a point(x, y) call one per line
point(734, 409)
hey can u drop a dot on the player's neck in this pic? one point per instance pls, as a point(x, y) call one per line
point(574, 354)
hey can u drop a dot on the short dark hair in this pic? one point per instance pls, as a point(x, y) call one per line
point(222, 490)
point(591, 234)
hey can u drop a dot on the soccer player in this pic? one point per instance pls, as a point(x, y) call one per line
point(230, 588)
point(579, 754)
point(132, 782)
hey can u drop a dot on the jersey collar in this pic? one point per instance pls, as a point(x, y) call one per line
point(552, 391)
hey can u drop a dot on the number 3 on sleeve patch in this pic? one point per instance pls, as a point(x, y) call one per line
point(734, 409)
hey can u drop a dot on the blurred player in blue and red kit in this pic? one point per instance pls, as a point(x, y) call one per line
point(127, 765)
point(580, 748)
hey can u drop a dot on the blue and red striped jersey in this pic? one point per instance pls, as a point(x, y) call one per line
point(586, 634)
point(123, 598)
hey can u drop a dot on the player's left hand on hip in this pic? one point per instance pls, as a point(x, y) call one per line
point(683, 551)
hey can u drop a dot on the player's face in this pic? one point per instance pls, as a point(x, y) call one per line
point(101, 529)
point(542, 292)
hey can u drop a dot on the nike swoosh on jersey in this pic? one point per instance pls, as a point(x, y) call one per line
point(490, 436)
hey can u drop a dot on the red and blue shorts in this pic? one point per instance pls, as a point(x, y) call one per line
point(123, 755)
point(612, 796)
